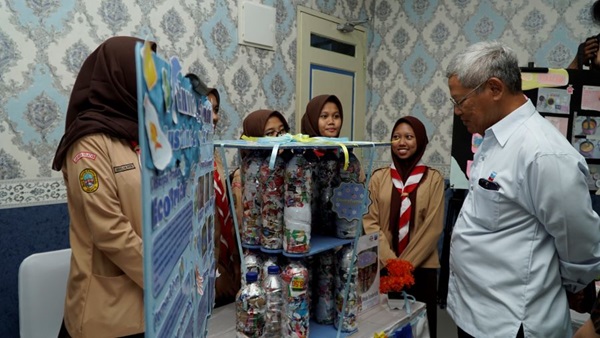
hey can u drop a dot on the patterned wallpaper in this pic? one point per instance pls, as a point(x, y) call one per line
point(44, 42)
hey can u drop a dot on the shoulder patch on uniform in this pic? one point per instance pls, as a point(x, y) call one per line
point(124, 167)
point(88, 180)
point(84, 154)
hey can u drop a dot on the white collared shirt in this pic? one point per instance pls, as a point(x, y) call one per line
point(514, 250)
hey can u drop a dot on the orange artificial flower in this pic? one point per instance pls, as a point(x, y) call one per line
point(399, 276)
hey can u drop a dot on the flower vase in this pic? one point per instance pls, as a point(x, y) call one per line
point(395, 300)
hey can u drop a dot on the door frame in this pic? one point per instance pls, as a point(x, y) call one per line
point(304, 72)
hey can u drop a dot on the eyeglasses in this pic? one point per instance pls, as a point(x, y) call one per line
point(273, 133)
point(464, 98)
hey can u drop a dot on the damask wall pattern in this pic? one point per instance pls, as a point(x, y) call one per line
point(44, 42)
point(411, 43)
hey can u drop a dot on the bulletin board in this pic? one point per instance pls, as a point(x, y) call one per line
point(568, 98)
point(176, 146)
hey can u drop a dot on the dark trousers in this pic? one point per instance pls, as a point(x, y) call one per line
point(425, 291)
point(452, 211)
point(463, 334)
point(63, 333)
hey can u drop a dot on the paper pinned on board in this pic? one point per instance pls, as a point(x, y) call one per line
point(553, 78)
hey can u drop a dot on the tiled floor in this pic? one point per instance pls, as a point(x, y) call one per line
point(445, 325)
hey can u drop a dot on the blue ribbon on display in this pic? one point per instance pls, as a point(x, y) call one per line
point(408, 300)
point(276, 141)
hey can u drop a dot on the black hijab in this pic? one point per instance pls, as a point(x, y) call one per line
point(404, 168)
point(104, 97)
point(309, 125)
point(254, 124)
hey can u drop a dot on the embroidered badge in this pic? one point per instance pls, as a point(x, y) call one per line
point(88, 180)
point(84, 154)
point(124, 167)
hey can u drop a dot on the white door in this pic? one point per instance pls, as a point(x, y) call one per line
point(331, 62)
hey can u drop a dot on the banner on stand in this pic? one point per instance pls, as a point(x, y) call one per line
point(368, 270)
point(176, 147)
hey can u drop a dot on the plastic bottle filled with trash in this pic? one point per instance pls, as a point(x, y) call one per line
point(250, 308)
point(273, 286)
point(346, 318)
point(297, 209)
point(271, 181)
point(310, 264)
point(251, 200)
point(296, 314)
point(270, 260)
point(253, 261)
point(347, 225)
point(327, 177)
point(325, 288)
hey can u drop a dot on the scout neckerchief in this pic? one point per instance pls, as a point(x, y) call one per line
point(405, 205)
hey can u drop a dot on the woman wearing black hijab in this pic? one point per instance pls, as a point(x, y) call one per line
point(98, 158)
point(323, 117)
point(407, 209)
point(259, 123)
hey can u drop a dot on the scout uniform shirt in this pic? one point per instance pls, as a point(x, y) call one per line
point(105, 295)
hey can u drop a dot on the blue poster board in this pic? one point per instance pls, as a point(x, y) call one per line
point(176, 134)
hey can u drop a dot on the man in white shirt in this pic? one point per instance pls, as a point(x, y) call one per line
point(527, 231)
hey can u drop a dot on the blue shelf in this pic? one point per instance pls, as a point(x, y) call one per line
point(320, 331)
point(251, 246)
point(267, 143)
point(271, 251)
point(320, 243)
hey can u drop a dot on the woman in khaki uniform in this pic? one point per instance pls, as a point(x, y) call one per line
point(259, 123)
point(100, 165)
point(408, 182)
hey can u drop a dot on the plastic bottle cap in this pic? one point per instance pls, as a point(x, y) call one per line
point(273, 270)
point(251, 276)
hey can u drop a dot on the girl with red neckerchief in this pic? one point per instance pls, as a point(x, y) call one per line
point(407, 209)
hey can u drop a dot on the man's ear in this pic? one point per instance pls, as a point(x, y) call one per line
point(496, 86)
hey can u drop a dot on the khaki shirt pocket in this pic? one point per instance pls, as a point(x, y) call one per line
point(114, 307)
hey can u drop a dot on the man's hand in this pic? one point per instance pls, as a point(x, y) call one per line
point(587, 54)
point(590, 51)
